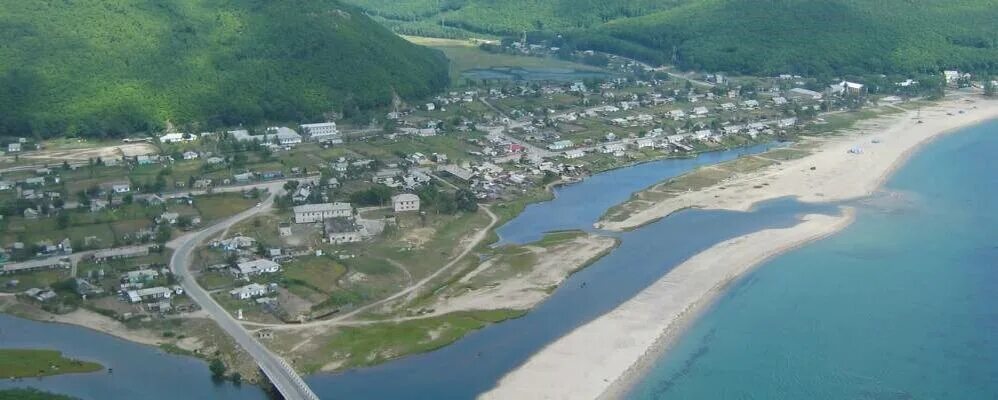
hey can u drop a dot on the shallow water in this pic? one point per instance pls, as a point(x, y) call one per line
point(139, 371)
point(900, 305)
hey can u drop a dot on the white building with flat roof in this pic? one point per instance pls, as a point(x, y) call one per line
point(322, 132)
point(256, 267)
point(310, 213)
point(405, 202)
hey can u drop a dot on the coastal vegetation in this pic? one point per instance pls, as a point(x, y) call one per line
point(31, 394)
point(750, 37)
point(94, 68)
point(26, 363)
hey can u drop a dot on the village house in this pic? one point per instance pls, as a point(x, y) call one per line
point(121, 187)
point(344, 230)
point(310, 213)
point(120, 253)
point(779, 101)
point(803, 94)
point(14, 148)
point(252, 290)
point(190, 155)
point(560, 145)
point(700, 111)
point(611, 148)
point(139, 276)
point(255, 267)
point(573, 154)
point(149, 294)
point(643, 143)
point(405, 202)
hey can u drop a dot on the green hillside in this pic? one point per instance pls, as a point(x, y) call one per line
point(748, 36)
point(820, 36)
point(98, 67)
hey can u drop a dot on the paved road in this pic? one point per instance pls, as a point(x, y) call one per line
point(282, 375)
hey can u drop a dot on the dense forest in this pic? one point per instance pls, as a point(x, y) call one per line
point(744, 36)
point(104, 68)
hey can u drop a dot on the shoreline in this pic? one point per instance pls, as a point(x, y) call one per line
point(607, 356)
point(838, 175)
point(633, 375)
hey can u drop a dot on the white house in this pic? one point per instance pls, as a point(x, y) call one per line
point(779, 101)
point(801, 93)
point(121, 188)
point(951, 76)
point(700, 111)
point(405, 202)
point(310, 213)
point(256, 267)
point(702, 134)
point(573, 154)
point(610, 148)
point(560, 145)
point(147, 294)
point(190, 155)
point(750, 104)
point(250, 291)
point(642, 143)
point(13, 147)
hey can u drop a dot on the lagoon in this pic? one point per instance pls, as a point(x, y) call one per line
point(139, 371)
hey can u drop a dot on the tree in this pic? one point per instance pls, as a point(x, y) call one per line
point(62, 220)
point(217, 368)
point(163, 233)
point(466, 200)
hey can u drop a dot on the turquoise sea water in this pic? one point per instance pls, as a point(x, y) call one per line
point(903, 304)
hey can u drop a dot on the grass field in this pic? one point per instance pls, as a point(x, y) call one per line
point(25, 363)
point(465, 55)
point(377, 343)
point(319, 273)
point(217, 206)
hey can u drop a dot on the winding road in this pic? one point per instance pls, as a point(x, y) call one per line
point(280, 373)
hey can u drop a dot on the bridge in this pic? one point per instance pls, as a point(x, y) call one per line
point(280, 373)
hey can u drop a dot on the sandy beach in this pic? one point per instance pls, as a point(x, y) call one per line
point(831, 173)
point(604, 357)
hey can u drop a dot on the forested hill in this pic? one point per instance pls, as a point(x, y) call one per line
point(98, 67)
point(747, 36)
point(820, 36)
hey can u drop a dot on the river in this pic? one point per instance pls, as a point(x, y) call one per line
point(475, 363)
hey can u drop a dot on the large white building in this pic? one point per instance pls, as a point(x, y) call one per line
point(282, 135)
point(256, 267)
point(322, 132)
point(405, 202)
point(176, 138)
point(310, 213)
